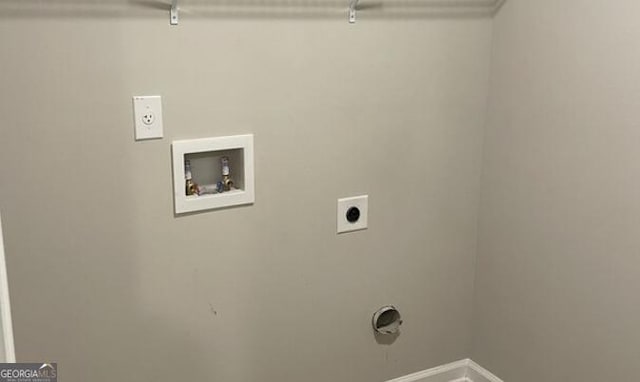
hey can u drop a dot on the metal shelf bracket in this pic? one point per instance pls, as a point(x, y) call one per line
point(173, 14)
point(352, 11)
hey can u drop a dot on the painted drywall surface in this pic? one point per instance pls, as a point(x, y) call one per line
point(556, 290)
point(107, 282)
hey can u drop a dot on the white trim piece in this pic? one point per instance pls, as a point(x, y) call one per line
point(460, 371)
point(9, 351)
point(477, 373)
point(455, 371)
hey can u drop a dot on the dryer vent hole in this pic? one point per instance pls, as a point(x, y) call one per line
point(387, 320)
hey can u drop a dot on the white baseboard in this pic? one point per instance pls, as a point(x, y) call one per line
point(461, 371)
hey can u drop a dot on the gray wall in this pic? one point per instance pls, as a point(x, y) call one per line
point(109, 283)
point(557, 281)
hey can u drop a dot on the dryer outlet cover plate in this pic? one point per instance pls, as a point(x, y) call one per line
point(353, 213)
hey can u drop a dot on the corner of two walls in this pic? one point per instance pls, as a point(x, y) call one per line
point(557, 256)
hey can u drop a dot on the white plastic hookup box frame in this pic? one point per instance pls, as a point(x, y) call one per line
point(191, 203)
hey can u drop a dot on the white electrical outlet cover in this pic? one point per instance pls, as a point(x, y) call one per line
point(147, 112)
point(361, 203)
